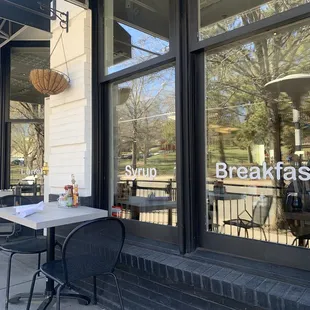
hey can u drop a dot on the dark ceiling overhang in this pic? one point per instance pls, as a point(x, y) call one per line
point(153, 16)
point(26, 13)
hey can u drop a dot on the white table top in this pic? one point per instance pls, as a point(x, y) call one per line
point(53, 216)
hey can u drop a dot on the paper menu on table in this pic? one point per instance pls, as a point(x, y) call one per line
point(26, 210)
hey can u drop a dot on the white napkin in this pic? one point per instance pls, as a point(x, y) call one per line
point(26, 210)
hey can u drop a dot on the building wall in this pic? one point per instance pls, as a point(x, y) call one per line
point(68, 115)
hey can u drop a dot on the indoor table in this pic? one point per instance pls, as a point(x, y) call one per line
point(52, 216)
point(216, 197)
point(145, 204)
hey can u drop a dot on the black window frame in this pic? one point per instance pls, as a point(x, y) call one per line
point(101, 187)
point(5, 120)
point(270, 252)
point(188, 54)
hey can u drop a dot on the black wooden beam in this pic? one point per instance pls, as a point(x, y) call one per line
point(25, 12)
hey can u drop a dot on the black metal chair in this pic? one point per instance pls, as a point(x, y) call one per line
point(90, 250)
point(260, 215)
point(31, 245)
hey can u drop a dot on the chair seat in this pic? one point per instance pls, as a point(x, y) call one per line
point(28, 246)
point(78, 265)
point(242, 223)
point(54, 270)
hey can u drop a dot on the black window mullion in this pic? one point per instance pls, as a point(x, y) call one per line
point(147, 66)
point(4, 125)
point(193, 17)
point(172, 26)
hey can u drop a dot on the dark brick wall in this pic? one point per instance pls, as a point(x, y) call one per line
point(152, 279)
point(155, 276)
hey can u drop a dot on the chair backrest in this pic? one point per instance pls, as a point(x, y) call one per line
point(261, 209)
point(14, 200)
point(93, 248)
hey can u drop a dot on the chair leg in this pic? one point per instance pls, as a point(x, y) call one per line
point(60, 287)
point(294, 241)
point(95, 290)
point(118, 291)
point(8, 282)
point(32, 288)
point(239, 229)
point(262, 229)
point(39, 263)
point(246, 233)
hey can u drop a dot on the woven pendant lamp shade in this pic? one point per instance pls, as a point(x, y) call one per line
point(49, 82)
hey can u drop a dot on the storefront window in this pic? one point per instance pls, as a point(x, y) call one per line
point(258, 137)
point(145, 148)
point(27, 151)
point(135, 31)
point(26, 115)
point(219, 16)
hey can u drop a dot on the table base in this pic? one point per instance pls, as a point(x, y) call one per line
point(15, 299)
point(48, 302)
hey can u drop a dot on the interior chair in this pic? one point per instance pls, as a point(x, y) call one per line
point(91, 249)
point(257, 220)
point(299, 233)
point(298, 229)
point(31, 245)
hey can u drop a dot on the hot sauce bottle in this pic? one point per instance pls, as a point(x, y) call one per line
point(75, 192)
point(75, 195)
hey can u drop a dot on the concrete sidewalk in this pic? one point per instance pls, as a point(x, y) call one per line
point(23, 267)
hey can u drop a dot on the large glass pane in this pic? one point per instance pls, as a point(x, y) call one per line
point(258, 134)
point(145, 148)
point(135, 31)
point(26, 103)
point(27, 151)
point(219, 16)
point(25, 110)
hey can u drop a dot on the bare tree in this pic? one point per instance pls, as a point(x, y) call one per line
point(31, 136)
point(140, 116)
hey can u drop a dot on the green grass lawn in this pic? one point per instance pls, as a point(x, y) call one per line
point(16, 174)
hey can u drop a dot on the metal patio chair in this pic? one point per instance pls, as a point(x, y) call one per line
point(31, 245)
point(257, 220)
point(91, 249)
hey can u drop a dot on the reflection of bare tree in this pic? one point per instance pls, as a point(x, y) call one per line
point(139, 125)
point(28, 139)
point(23, 142)
point(237, 77)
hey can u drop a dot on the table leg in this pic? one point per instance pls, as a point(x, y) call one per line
point(49, 290)
point(217, 215)
point(301, 242)
point(170, 217)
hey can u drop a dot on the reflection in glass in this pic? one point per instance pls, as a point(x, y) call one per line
point(25, 110)
point(258, 138)
point(27, 154)
point(219, 16)
point(135, 31)
point(26, 103)
point(145, 148)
